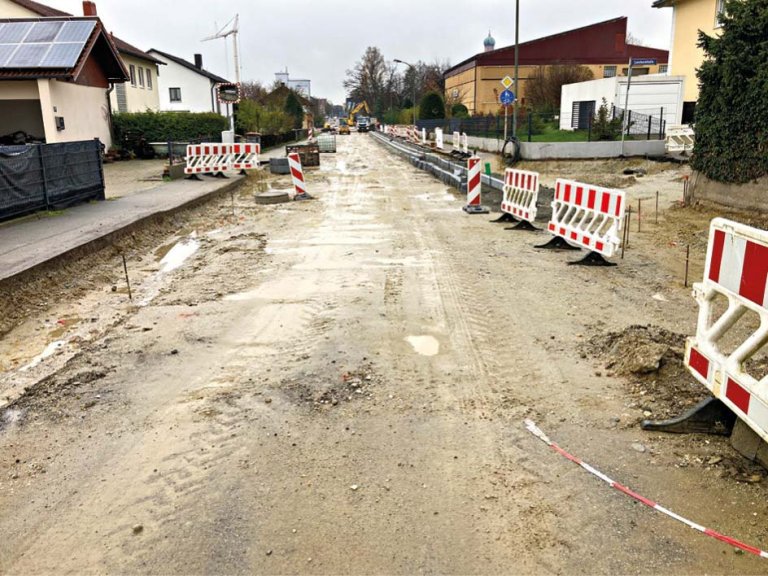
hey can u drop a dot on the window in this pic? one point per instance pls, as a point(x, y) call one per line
point(141, 76)
point(149, 78)
point(132, 74)
point(175, 94)
point(719, 11)
point(609, 71)
point(636, 71)
point(663, 68)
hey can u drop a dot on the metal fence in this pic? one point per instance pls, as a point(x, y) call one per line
point(535, 124)
point(44, 176)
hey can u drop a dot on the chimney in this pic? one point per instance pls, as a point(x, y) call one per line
point(89, 8)
point(199, 61)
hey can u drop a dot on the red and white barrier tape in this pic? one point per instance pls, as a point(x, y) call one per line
point(536, 431)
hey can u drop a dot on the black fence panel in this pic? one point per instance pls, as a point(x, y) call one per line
point(41, 176)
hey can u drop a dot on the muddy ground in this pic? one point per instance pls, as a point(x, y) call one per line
point(339, 386)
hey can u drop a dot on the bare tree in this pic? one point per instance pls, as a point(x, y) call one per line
point(543, 89)
point(634, 40)
point(367, 80)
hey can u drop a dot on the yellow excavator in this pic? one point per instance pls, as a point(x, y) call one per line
point(352, 116)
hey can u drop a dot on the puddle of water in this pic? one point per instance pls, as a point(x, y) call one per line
point(424, 345)
point(49, 351)
point(176, 256)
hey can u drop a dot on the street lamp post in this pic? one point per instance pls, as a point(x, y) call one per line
point(414, 85)
point(517, 67)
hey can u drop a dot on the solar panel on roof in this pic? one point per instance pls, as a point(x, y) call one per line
point(14, 32)
point(5, 53)
point(43, 32)
point(28, 56)
point(78, 31)
point(62, 56)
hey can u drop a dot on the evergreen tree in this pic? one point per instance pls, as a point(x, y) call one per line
point(732, 111)
point(294, 108)
point(432, 107)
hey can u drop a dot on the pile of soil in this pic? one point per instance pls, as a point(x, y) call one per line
point(652, 360)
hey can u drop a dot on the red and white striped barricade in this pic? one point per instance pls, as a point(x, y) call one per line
point(520, 194)
point(297, 174)
point(207, 159)
point(474, 187)
point(586, 216)
point(244, 156)
point(736, 268)
point(439, 138)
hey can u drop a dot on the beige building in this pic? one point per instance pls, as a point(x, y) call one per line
point(601, 47)
point(140, 93)
point(688, 18)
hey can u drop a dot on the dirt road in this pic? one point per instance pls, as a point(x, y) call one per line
point(339, 386)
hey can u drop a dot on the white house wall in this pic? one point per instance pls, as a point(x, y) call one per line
point(585, 91)
point(139, 98)
point(196, 90)
point(647, 95)
point(83, 108)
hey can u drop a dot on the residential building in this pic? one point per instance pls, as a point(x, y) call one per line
point(187, 86)
point(688, 18)
point(137, 95)
point(601, 47)
point(302, 86)
point(54, 77)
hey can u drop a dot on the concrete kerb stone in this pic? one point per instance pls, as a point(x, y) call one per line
point(108, 238)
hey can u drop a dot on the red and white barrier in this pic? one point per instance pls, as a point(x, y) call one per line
point(297, 174)
point(474, 187)
point(588, 217)
point(521, 191)
point(737, 268)
point(220, 158)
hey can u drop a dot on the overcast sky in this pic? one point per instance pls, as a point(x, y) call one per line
point(321, 39)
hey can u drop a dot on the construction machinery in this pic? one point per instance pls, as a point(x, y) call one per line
point(352, 116)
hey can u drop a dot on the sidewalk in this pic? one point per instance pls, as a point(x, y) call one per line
point(31, 241)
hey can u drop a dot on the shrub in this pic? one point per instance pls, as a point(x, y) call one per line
point(603, 126)
point(165, 126)
point(732, 111)
point(459, 111)
point(432, 107)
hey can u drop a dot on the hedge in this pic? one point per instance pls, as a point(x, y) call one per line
point(174, 126)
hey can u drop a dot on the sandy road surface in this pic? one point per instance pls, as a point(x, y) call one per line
point(338, 386)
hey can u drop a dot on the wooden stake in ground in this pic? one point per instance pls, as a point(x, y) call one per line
point(657, 206)
point(127, 280)
point(687, 260)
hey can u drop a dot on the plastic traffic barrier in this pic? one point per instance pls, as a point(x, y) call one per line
point(586, 216)
point(474, 187)
point(220, 158)
point(736, 268)
point(297, 175)
point(521, 192)
point(439, 138)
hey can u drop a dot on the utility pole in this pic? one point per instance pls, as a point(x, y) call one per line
point(414, 85)
point(517, 67)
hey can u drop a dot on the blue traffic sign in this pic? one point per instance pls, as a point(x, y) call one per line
point(643, 61)
point(507, 97)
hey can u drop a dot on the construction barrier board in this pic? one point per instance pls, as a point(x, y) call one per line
point(521, 192)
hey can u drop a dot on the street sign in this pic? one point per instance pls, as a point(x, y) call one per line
point(507, 82)
point(643, 61)
point(507, 97)
point(228, 93)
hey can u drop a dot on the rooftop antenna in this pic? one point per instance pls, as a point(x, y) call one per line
point(231, 28)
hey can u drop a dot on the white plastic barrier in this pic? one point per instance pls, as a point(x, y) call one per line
point(680, 139)
point(439, 138)
point(456, 142)
point(216, 158)
point(424, 136)
point(521, 191)
point(464, 143)
point(588, 216)
point(737, 268)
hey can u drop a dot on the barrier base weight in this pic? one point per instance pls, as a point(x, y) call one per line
point(476, 210)
point(592, 259)
point(304, 196)
point(710, 416)
point(557, 243)
point(194, 177)
point(505, 217)
point(525, 226)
